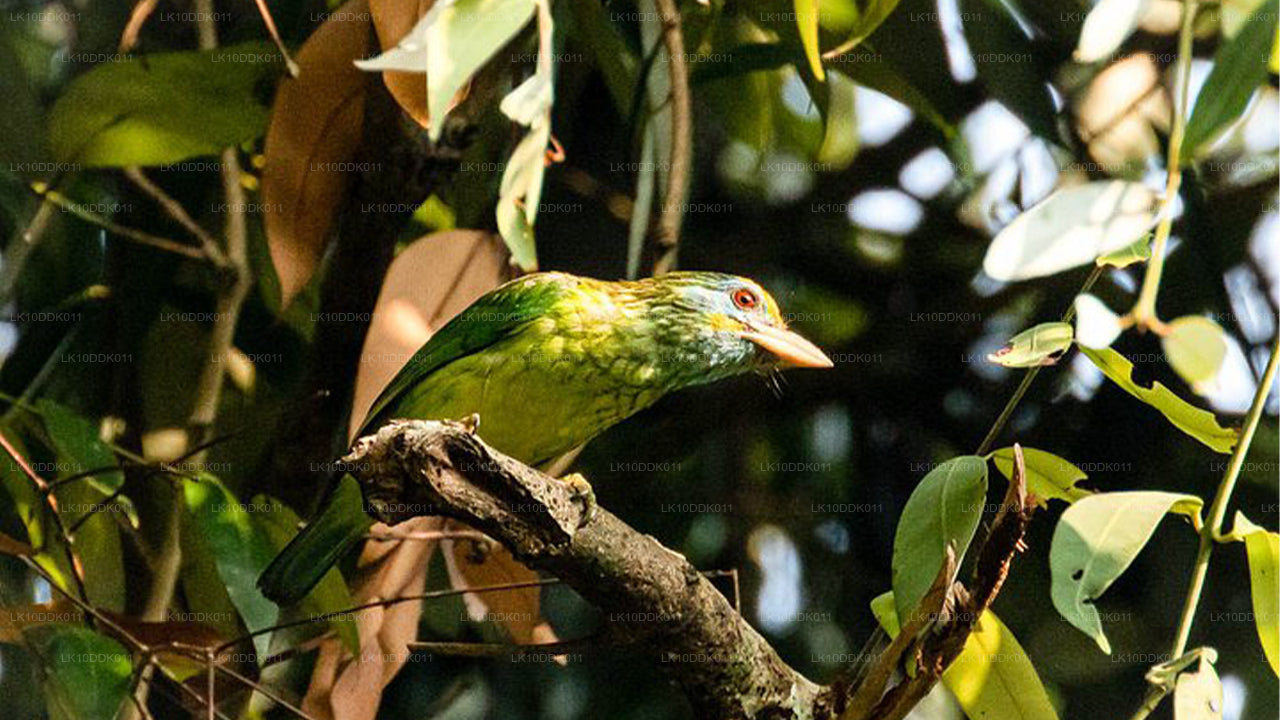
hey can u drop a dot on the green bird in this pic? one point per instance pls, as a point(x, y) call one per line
point(549, 361)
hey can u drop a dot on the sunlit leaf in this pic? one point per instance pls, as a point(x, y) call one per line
point(992, 677)
point(1195, 348)
point(1239, 68)
point(840, 131)
point(240, 549)
point(807, 25)
point(87, 674)
point(1040, 345)
point(1199, 424)
point(1095, 541)
point(1106, 27)
point(943, 510)
point(1049, 477)
point(1197, 695)
point(1096, 325)
point(163, 107)
point(1071, 227)
point(450, 43)
point(1263, 549)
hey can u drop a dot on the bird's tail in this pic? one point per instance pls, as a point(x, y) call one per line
point(305, 560)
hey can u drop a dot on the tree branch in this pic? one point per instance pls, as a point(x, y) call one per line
point(654, 598)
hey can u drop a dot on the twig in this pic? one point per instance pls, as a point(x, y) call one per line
point(55, 199)
point(668, 235)
point(179, 214)
point(1211, 529)
point(137, 17)
point(1144, 312)
point(386, 602)
point(275, 37)
point(51, 503)
point(476, 650)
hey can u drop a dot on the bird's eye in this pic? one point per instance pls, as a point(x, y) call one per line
point(745, 299)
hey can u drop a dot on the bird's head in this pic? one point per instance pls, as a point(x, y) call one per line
point(725, 324)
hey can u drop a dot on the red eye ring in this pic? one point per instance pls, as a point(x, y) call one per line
point(745, 299)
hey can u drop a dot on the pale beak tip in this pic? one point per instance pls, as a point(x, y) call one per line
point(791, 349)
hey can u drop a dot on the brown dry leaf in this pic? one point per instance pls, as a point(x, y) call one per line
point(344, 687)
point(517, 611)
point(392, 20)
point(428, 283)
point(15, 619)
point(316, 123)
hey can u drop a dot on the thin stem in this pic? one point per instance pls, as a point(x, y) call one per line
point(1212, 528)
point(985, 446)
point(681, 138)
point(54, 198)
point(1144, 312)
point(175, 210)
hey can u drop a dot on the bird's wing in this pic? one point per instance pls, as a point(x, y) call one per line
point(495, 316)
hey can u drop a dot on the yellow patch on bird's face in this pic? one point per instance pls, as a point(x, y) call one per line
point(719, 322)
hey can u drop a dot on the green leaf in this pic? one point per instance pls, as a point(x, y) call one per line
point(1263, 549)
point(881, 76)
point(840, 124)
point(1095, 541)
point(1239, 68)
point(450, 43)
point(617, 62)
point(1139, 251)
point(1197, 695)
point(1040, 345)
point(1196, 347)
point(76, 440)
point(1049, 477)
point(97, 541)
point(240, 549)
point(1199, 424)
point(943, 510)
point(807, 25)
point(876, 12)
point(87, 674)
point(1096, 325)
point(882, 607)
point(330, 595)
point(162, 108)
point(1004, 57)
point(1071, 227)
point(992, 677)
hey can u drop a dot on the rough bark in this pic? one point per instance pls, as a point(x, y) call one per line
point(653, 598)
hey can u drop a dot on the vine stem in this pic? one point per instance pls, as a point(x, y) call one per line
point(1144, 312)
point(1210, 531)
point(1003, 418)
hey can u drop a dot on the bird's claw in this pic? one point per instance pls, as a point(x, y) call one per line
point(581, 491)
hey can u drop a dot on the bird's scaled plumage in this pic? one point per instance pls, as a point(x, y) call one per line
point(551, 360)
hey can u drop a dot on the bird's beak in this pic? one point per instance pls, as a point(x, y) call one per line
point(790, 348)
